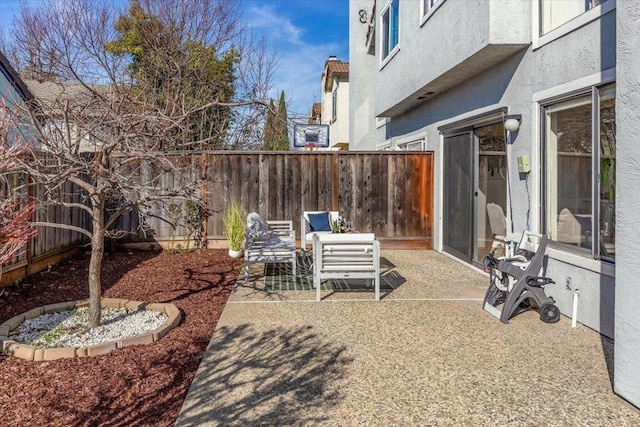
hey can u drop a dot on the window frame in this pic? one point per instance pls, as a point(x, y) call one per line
point(386, 51)
point(540, 39)
point(592, 92)
point(403, 144)
point(334, 105)
point(428, 8)
point(384, 146)
point(382, 121)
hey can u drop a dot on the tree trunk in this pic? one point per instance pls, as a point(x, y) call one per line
point(204, 165)
point(95, 264)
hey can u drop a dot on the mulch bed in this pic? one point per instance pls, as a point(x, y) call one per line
point(133, 386)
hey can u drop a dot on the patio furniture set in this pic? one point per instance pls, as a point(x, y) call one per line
point(335, 255)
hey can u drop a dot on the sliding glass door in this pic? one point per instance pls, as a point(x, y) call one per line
point(458, 196)
point(475, 175)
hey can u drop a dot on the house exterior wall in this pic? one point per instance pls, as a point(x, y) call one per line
point(456, 41)
point(13, 94)
point(627, 343)
point(535, 69)
point(339, 128)
point(362, 119)
point(11, 89)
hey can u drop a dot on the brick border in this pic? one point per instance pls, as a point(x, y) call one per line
point(28, 352)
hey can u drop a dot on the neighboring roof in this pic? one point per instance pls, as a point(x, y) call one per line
point(335, 69)
point(52, 96)
point(14, 77)
point(316, 112)
point(49, 91)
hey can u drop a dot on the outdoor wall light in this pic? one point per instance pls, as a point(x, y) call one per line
point(512, 122)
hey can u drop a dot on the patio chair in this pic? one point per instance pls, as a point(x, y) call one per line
point(269, 242)
point(346, 256)
point(498, 224)
point(514, 282)
point(315, 222)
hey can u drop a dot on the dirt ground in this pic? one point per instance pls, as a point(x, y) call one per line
point(133, 386)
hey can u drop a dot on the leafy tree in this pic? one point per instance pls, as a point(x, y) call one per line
point(282, 135)
point(166, 61)
point(270, 128)
point(276, 134)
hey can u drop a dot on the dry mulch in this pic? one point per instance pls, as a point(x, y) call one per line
point(133, 386)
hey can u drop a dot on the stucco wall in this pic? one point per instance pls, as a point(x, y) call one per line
point(627, 344)
point(362, 75)
point(455, 32)
point(339, 129)
point(514, 83)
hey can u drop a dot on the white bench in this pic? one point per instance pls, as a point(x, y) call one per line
point(278, 244)
point(346, 256)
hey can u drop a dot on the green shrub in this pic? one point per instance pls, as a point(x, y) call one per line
point(234, 226)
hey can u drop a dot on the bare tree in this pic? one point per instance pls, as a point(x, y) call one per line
point(106, 134)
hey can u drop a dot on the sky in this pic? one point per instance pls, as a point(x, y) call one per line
point(304, 34)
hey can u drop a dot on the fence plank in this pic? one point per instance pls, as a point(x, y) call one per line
point(389, 194)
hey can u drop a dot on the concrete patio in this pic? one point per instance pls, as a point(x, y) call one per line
point(426, 354)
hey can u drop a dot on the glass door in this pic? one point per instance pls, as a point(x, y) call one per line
point(458, 196)
point(475, 175)
point(491, 189)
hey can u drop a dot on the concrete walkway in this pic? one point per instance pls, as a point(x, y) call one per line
point(427, 354)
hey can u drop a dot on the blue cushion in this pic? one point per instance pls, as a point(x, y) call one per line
point(319, 221)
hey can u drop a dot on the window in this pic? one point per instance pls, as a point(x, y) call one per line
point(334, 106)
point(416, 145)
point(427, 5)
point(556, 12)
point(580, 164)
point(390, 27)
point(385, 146)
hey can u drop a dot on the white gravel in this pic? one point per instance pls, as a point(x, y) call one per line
point(69, 328)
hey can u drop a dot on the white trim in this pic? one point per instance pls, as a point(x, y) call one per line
point(385, 60)
point(382, 121)
point(422, 141)
point(438, 177)
point(583, 83)
point(424, 17)
point(569, 26)
point(384, 146)
point(390, 56)
point(407, 139)
point(536, 168)
point(484, 111)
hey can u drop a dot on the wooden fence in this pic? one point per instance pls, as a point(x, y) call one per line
point(49, 245)
point(389, 194)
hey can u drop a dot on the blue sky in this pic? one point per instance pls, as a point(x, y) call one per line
point(304, 33)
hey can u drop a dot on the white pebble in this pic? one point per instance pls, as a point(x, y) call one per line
point(69, 328)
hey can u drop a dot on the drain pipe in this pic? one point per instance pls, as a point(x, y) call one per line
point(574, 314)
